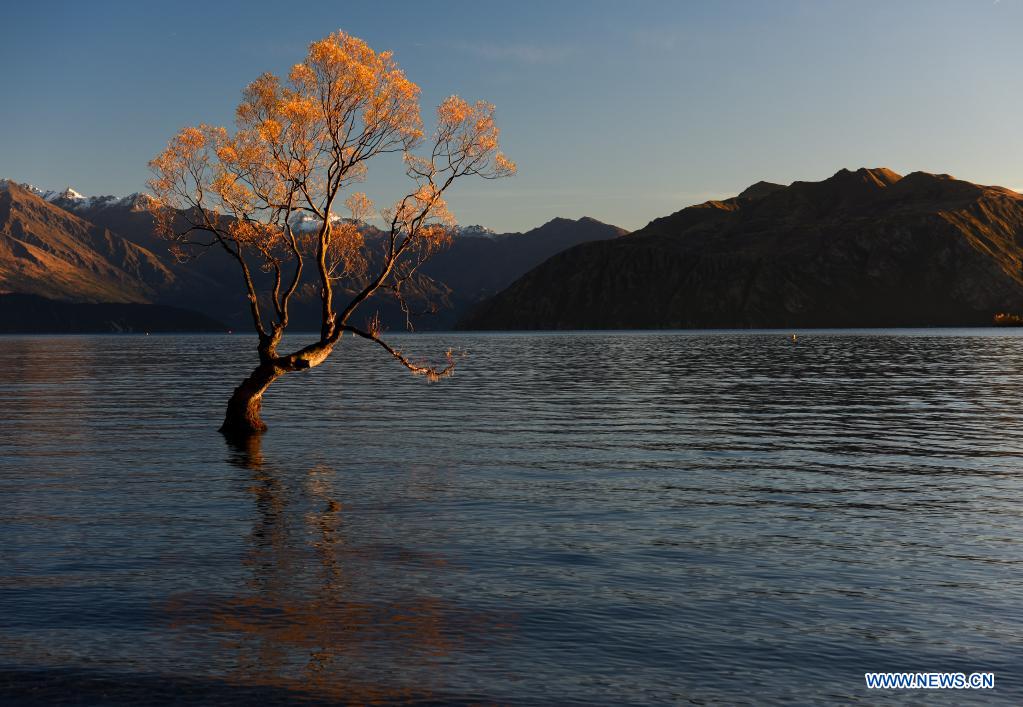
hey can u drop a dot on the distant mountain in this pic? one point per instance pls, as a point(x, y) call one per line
point(209, 284)
point(71, 200)
point(48, 251)
point(104, 249)
point(478, 265)
point(863, 248)
point(475, 230)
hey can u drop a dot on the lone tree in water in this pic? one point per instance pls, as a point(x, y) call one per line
point(299, 146)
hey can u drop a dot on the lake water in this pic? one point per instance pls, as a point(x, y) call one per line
point(604, 518)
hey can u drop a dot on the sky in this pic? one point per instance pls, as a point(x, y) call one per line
point(622, 111)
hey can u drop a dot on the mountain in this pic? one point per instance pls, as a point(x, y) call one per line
point(209, 284)
point(48, 251)
point(71, 200)
point(103, 249)
point(862, 248)
point(480, 264)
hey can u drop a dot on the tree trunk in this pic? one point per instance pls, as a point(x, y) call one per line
point(242, 418)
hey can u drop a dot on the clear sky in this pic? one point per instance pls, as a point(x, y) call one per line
point(624, 111)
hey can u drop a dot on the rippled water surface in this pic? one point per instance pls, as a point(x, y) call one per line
point(606, 518)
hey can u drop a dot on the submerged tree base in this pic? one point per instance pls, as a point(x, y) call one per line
point(240, 429)
point(242, 418)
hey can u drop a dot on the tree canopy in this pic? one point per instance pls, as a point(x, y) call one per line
point(300, 146)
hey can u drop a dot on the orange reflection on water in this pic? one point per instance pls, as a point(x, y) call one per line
point(328, 614)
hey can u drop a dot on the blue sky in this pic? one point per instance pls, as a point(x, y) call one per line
point(620, 111)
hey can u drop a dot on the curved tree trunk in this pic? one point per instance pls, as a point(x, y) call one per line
point(242, 418)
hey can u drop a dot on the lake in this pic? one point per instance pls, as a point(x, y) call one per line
point(595, 518)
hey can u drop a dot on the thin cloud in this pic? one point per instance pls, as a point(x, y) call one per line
point(521, 53)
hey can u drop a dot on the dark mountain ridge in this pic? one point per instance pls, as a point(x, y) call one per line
point(862, 248)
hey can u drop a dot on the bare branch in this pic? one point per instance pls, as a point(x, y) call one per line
point(431, 372)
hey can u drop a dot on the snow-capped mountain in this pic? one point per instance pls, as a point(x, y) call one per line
point(72, 200)
point(303, 222)
point(475, 230)
point(76, 202)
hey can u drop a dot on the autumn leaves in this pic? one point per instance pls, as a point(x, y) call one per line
point(299, 146)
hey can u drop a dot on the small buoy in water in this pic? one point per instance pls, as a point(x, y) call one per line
point(794, 338)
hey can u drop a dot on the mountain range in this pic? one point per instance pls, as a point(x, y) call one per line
point(67, 247)
point(863, 248)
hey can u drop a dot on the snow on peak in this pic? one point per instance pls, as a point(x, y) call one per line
point(69, 193)
point(73, 200)
point(139, 201)
point(33, 188)
point(475, 230)
point(305, 222)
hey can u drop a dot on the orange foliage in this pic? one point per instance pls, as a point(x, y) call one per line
point(299, 145)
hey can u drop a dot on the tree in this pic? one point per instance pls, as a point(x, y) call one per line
point(299, 147)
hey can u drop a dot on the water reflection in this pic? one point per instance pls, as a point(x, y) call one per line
point(326, 614)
